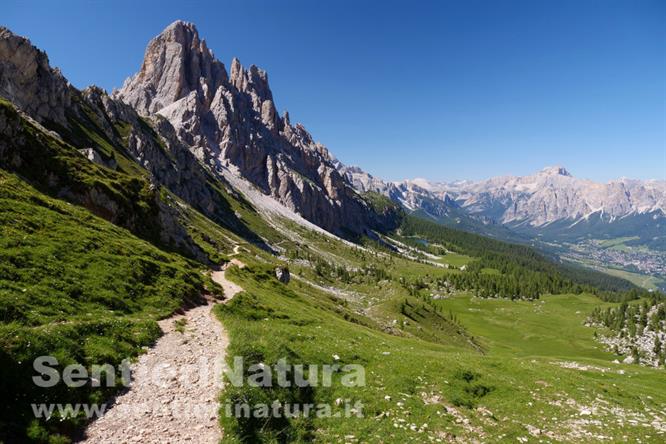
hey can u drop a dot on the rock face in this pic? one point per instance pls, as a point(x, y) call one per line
point(282, 274)
point(27, 80)
point(42, 93)
point(45, 97)
point(176, 63)
point(231, 120)
point(412, 195)
point(157, 149)
point(29, 150)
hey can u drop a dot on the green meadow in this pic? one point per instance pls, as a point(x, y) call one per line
point(457, 368)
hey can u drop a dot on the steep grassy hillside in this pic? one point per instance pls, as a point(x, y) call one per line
point(124, 197)
point(74, 286)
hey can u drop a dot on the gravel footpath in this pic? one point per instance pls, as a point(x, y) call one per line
point(173, 397)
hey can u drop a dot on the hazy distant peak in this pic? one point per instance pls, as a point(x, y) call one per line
point(420, 182)
point(555, 171)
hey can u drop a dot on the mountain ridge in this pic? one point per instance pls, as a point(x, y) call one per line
point(207, 120)
point(532, 199)
point(231, 119)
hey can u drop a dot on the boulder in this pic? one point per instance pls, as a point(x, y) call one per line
point(282, 274)
point(629, 360)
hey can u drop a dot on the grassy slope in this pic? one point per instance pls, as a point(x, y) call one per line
point(516, 383)
point(550, 327)
point(641, 280)
point(77, 287)
point(432, 376)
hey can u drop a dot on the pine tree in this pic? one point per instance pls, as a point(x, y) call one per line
point(657, 346)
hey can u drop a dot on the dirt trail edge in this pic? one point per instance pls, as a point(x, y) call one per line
point(173, 397)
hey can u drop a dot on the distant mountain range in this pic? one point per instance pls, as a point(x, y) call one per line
point(550, 204)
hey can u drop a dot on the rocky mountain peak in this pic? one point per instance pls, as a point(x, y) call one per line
point(176, 63)
point(232, 121)
point(250, 79)
point(27, 79)
point(555, 171)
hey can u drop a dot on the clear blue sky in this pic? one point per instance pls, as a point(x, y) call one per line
point(436, 89)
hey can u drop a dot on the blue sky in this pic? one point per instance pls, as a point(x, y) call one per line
point(437, 89)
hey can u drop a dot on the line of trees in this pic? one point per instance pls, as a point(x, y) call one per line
point(633, 319)
point(639, 329)
point(522, 273)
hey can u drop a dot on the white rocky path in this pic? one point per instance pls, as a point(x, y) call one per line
point(173, 397)
point(230, 289)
